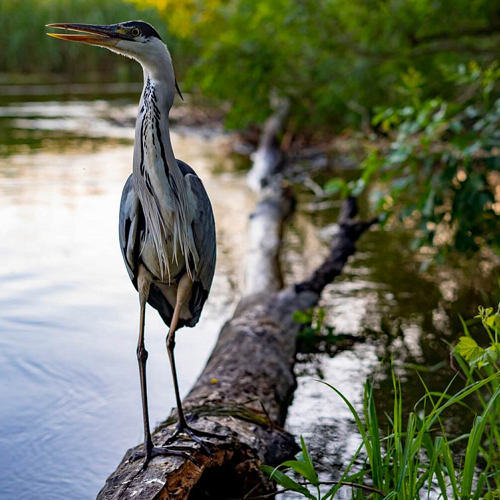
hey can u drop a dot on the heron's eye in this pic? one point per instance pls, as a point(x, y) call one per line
point(135, 32)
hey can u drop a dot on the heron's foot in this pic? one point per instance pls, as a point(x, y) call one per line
point(156, 451)
point(194, 435)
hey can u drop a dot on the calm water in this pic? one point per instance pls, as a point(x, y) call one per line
point(70, 400)
point(69, 403)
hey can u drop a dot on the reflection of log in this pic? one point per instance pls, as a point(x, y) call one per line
point(245, 389)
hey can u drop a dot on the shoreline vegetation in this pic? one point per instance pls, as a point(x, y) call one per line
point(413, 456)
point(421, 99)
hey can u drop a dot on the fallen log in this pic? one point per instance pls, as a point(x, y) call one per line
point(247, 384)
point(268, 159)
point(265, 229)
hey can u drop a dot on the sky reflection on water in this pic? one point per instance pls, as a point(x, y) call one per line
point(70, 399)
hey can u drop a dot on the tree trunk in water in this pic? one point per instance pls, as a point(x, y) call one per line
point(268, 159)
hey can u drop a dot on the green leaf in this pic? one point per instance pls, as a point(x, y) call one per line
point(468, 348)
point(286, 481)
point(312, 474)
point(302, 317)
point(320, 316)
point(337, 185)
point(303, 469)
point(473, 447)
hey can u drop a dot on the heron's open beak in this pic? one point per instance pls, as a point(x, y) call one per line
point(93, 34)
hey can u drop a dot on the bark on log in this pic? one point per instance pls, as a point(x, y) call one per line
point(263, 270)
point(247, 384)
point(268, 158)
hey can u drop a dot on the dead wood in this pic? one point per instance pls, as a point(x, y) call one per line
point(268, 159)
point(246, 387)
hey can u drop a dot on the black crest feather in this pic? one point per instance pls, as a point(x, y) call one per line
point(146, 29)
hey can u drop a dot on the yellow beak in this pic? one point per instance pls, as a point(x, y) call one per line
point(104, 36)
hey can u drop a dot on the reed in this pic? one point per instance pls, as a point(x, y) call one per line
point(415, 458)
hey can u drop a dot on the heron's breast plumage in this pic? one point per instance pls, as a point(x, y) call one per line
point(153, 261)
point(166, 220)
point(168, 245)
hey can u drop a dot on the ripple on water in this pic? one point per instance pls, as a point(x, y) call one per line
point(70, 399)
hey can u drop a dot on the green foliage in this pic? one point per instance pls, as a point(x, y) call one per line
point(336, 61)
point(331, 58)
point(26, 47)
point(303, 466)
point(440, 168)
point(313, 319)
point(478, 363)
point(412, 460)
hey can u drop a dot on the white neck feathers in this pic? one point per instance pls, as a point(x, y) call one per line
point(158, 179)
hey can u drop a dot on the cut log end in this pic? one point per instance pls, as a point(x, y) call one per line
point(231, 470)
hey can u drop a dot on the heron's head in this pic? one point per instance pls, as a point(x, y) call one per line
point(135, 39)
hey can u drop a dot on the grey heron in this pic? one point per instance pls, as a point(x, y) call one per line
point(166, 227)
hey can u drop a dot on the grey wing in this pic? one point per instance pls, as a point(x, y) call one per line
point(203, 227)
point(131, 220)
point(203, 231)
point(131, 226)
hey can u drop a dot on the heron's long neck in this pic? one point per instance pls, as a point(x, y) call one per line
point(157, 158)
point(158, 180)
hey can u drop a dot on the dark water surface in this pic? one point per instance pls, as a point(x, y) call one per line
point(69, 398)
point(399, 313)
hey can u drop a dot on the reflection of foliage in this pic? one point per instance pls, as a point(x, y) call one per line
point(315, 336)
point(318, 337)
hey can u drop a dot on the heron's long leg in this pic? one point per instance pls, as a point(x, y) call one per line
point(183, 293)
point(150, 451)
point(183, 290)
point(142, 356)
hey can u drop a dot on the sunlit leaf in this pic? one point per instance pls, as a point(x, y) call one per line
point(468, 348)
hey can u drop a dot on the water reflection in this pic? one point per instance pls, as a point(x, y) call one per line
point(70, 401)
point(404, 315)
